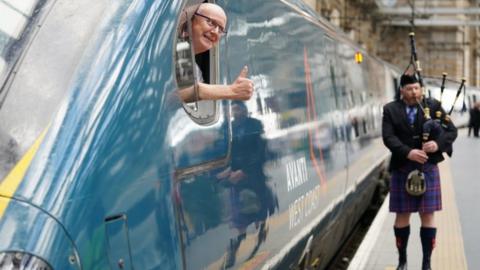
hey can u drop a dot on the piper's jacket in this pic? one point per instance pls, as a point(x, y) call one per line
point(401, 138)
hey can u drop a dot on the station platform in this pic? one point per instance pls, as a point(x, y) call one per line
point(458, 236)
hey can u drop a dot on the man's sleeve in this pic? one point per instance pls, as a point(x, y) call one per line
point(390, 139)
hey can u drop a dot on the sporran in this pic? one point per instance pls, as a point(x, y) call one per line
point(415, 184)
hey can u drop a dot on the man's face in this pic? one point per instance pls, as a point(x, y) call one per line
point(411, 93)
point(239, 112)
point(207, 27)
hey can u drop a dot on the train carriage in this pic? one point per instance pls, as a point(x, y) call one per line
point(104, 167)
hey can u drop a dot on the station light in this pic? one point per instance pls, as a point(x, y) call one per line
point(358, 57)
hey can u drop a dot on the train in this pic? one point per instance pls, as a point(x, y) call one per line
point(103, 166)
point(458, 101)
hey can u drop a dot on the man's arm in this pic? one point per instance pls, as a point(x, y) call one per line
point(240, 89)
point(390, 139)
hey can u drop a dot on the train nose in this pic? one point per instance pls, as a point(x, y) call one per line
point(32, 239)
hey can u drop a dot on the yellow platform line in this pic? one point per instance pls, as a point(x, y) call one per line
point(449, 252)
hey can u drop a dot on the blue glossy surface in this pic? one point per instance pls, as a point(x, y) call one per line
point(29, 229)
point(106, 152)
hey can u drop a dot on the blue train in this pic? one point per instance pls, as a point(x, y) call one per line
point(102, 166)
point(459, 105)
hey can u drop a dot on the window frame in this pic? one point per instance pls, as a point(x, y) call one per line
point(17, 49)
point(202, 112)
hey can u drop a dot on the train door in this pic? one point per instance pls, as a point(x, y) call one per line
point(365, 150)
point(327, 104)
point(337, 163)
point(200, 138)
point(199, 131)
point(341, 137)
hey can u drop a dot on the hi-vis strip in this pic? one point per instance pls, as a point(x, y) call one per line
point(10, 184)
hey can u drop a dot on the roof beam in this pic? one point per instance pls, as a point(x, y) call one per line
point(433, 22)
point(430, 11)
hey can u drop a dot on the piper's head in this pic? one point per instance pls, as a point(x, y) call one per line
point(410, 89)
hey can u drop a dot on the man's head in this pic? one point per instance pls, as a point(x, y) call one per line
point(208, 25)
point(410, 89)
point(239, 109)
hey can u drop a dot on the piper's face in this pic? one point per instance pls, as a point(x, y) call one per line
point(411, 93)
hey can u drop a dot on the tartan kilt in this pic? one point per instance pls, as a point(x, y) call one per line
point(402, 202)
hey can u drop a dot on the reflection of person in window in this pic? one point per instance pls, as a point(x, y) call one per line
point(251, 198)
point(208, 26)
point(9, 154)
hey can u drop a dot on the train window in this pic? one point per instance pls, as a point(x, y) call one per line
point(16, 25)
point(193, 69)
point(330, 51)
point(201, 136)
point(41, 42)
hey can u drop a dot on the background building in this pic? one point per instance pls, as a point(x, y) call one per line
point(447, 32)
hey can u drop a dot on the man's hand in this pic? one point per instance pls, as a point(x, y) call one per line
point(236, 176)
point(224, 174)
point(242, 88)
point(418, 155)
point(430, 147)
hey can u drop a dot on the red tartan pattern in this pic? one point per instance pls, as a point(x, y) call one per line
point(402, 202)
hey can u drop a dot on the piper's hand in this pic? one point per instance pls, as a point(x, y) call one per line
point(242, 87)
point(430, 147)
point(418, 155)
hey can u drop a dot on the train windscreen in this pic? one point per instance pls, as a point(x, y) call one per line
point(41, 44)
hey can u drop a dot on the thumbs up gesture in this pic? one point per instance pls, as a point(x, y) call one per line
point(242, 87)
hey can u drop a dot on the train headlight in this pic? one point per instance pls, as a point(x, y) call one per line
point(16, 260)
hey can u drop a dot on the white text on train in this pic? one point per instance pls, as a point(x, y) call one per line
point(303, 206)
point(296, 173)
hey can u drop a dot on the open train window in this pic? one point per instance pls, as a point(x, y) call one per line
point(193, 69)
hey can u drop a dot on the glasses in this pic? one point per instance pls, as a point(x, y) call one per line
point(212, 23)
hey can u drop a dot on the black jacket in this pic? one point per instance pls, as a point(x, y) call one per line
point(474, 118)
point(401, 138)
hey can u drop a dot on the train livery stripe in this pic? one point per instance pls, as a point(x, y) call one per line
point(311, 116)
point(10, 184)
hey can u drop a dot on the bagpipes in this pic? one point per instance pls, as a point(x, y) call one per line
point(431, 128)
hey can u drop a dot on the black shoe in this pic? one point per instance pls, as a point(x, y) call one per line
point(232, 250)
point(402, 266)
point(426, 267)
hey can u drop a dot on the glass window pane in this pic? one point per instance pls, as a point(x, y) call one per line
point(12, 22)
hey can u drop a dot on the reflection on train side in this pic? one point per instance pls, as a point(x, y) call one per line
point(289, 152)
point(137, 179)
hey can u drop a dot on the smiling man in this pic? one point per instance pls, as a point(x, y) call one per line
point(208, 27)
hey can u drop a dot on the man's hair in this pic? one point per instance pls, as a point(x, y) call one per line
point(240, 104)
point(408, 79)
